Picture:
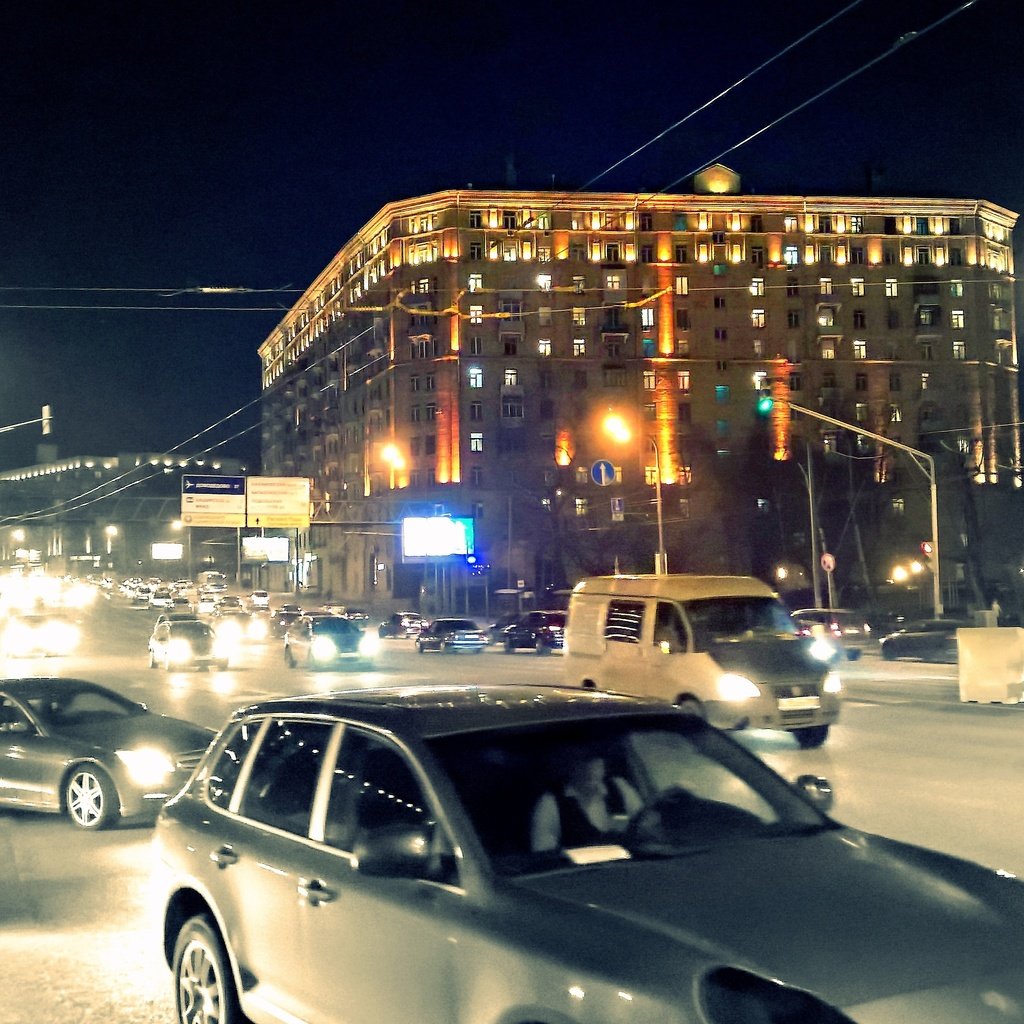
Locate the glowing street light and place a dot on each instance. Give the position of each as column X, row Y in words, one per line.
column 394, row 459
column 616, row 427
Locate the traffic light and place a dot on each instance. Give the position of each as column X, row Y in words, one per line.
column 764, row 404
column 47, row 420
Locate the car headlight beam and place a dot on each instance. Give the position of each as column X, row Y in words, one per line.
column 734, row 687
column 146, row 766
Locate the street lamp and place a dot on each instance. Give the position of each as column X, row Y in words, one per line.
column 618, row 430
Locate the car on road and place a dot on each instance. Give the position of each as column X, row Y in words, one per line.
column 849, row 630
column 42, row 634
column 449, row 636
column 925, row 640
column 70, row 746
column 259, row 599
column 434, row 827
column 496, row 630
column 542, row 631
column 206, row 602
column 328, row 641
column 187, row 643
column 281, row 620
column 162, row 597
column 228, row 603
column 401, row 624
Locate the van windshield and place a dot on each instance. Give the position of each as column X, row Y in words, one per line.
column 722, row 619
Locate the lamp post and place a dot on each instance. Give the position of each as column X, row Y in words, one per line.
column 618, row 430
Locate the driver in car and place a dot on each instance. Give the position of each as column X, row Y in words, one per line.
column 587, row 809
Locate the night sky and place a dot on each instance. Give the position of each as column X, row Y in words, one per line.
column 146, row 150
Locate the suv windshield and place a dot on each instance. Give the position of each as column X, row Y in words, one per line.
column 722, row 619
column 671, row 786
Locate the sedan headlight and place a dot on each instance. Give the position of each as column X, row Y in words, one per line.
column 369, row 645
column 179, row 651
column 832, row 683
column 147, row 766
column 733, row 687
column 323, row 649
column 822, row 649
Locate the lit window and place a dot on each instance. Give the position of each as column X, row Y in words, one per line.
column 826, row 316
column 895, row 414
column 684, row 508
column 511, row 377
column 647, row 317
column 857, row 285
column 856, row 224
column 476, row 282
column 791, row 255
column 578, row 284
column 956, row 289
column 650, row 380
column 579, row 316
column 757, row 286
column 579, row 347
column 683, row 380
column 860, row 348
column 476, row 442
column 956, row 319
column 925, row 377
column 899, row 506
column 825, row 285
column 959, row 349
column 757, row 318
column 544, row 347
column 860, row 412
column 544, row 316
column 891, row 287
column 682, row 285
column 789, row 222
column 828, row 348
column 582, row 475
column 721, row 393
column 476, row 377
column 512, row 407
column 476, row 314
column 581, row 506
column 544, row 282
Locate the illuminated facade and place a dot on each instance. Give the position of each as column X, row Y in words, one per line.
column 459, row 353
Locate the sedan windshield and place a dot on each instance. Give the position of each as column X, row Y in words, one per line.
column 541, row 798
column 63, row 702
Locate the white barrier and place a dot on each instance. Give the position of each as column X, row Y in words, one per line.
column 991, row 664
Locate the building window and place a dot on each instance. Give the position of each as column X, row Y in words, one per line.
column 791, row 255
column 578, row 284
column 956, row 256
column 476, row 218
column 860, row 319
column 682, row 285
column 429, row 382
column 789, row 222
column 511, row 377
column 857, row 255
column 682, row 254
column 826, row 316
column 860, row 412
column 757, row 318
column 415, row 414
column 684, row 412
column 582, row 475
column 579, row 316
column 721, row 334
column 956, row 319
column 892, row 288
column 512, row 407
column 430, row 409
column 544, row 282
column 476, row 250
column 792, row 317
column 646, row 221
column 924, row 255
column 579, row 347
column 476, row 411
column 927, row 352
column 860, row 382
column 956, row 289
column 828, row 348
column 646, row 253
column 476, row 345
column 476, row 478
column 581, row 506
column 544, row 316
column 476, row 442
column 544, row 347
column 856, row 224
column 476, row 282
column 925, row 377
column 959, row 349
column 614, row 377
column 895, row 382
column 719, row 302
column 927, row 316
column 757, row 255
column 721, row 393
column 647, row 318
column 892, row 319
column 795, row 382
column 543, row 253
column 510, row 344
column 476, row 314
column 895, row 413
column 683, row 319
column 757, row 286
column 613, row 282
column 476, row 377
column 857, row 286
column 899, row 506
column 414, row 383
column 683, row 381
column 758, row 348
column 650, row 380
column 650, row 411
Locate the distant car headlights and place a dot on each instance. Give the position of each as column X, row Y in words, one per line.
column 147, row 766
column 323, row 649
column 369, row 645
column 832, row 683
column 733, row 687
column 223, row 648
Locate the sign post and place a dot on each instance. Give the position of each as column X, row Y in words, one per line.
column 828, row 563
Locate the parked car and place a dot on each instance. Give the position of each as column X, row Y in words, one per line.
column 328, row 641
column 450, row 636
column 43, row 634
column 926, row 640
column 187, row 643
column 542, row 632
column 401, row 624
column 69, row 746
column 402, row 826
column 849, row 630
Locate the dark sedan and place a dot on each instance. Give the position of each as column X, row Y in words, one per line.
column 328, row 641
column 401, row 624
column 927, row 640
column 71, row 747
column 451, row 635
column 542, row 632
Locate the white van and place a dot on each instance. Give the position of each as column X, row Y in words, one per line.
column 724, row 647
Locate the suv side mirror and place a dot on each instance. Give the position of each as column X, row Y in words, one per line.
column 395, row 851
column 817, row 789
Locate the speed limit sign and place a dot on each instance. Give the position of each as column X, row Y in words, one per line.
column 828, row 561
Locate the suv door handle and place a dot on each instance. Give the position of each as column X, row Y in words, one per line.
column 224, row 857
column 315, row 892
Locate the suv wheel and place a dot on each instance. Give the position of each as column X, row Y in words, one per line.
column 204, row 988
column 811, row 736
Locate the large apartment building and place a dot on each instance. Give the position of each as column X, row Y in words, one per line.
column 460, row 353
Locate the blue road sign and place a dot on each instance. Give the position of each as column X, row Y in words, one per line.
column 233, row 485
column 602, row 473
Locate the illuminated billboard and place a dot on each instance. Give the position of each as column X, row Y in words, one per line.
column 264, row 549
column 167, row 552
column 436, row 537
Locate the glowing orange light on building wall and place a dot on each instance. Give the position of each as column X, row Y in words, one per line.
column 564, row 448
column 666, row 313
column 664, row 247
column 455, row 323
